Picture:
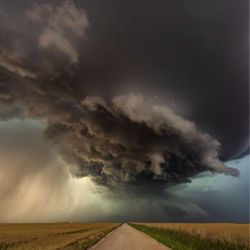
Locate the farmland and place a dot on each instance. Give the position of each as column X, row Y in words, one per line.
column 194, row 236
column 52, row 236
column 178, row 236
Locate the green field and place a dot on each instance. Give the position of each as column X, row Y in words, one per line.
column 179, row 239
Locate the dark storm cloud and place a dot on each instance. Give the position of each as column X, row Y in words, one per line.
column 197, row 51
column 70, row 69
column 124, row 142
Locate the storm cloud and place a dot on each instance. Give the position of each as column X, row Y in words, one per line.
column 122, row 142
column 138, row 104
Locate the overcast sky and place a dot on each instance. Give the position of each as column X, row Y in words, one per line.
column 106, row 105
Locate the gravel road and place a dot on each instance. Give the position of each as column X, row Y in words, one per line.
column 126, row 237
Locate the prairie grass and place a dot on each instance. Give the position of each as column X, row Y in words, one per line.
column 179, row 239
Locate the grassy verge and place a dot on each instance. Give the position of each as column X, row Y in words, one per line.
column 180, row 240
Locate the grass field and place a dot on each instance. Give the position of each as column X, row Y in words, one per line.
column 52, row 236
column 180, row 236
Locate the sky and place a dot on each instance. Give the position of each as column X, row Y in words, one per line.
column 124, row 111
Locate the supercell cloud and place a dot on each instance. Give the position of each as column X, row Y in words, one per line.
column 106, row 109
column 121, row 142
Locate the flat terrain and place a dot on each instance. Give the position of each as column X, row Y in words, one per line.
column 127, row 238
column 111, row 236
column 223, row 231
column 52, row 236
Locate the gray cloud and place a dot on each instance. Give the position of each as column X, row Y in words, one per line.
column 13, row 66
column 127, row 143
column 38, row 37
column 65, row 24
column 154, row 139
column 124, row 143
column 29, row 161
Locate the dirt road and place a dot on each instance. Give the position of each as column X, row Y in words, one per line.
column 126, row 237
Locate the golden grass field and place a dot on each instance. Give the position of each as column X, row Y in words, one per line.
column 223, row 231
column 52, row 236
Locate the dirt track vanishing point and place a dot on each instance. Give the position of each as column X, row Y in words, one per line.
column 127, row 238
